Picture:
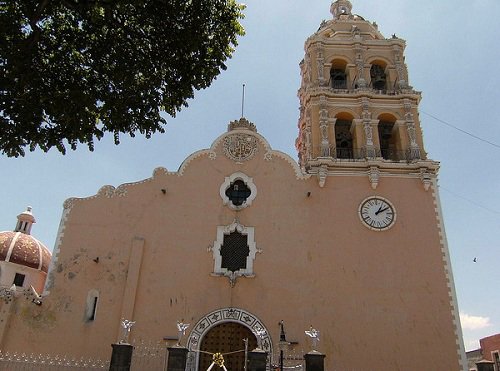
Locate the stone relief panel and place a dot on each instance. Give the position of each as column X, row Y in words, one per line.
column 240, row 147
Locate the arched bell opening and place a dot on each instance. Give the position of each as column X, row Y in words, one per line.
column 338, row 74
column 378, row 75
column 344, row 141
column 388, row 137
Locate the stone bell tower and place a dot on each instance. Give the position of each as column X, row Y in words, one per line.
column 360, row 137
column 357, row 108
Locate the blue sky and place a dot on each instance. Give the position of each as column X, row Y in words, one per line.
column 452, row 55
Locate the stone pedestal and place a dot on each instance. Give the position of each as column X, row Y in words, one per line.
column 177, row 358
column 315, row 361
column 121, row 358
column 257, row 360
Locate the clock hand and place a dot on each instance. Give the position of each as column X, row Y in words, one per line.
column 381, row 210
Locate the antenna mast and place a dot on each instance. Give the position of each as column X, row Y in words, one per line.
column 243, row 102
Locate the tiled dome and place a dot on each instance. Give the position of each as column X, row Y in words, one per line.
column 21, row 248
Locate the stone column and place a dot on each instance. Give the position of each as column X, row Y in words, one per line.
column 315, row 361
column 121, row 358
column 177, row 358
column 323, row 125
column 412, row 134
column 320, row 65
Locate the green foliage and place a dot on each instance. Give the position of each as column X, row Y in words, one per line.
column 73, row 70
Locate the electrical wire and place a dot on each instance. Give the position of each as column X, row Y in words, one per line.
column 461, row 130
column 469, row 200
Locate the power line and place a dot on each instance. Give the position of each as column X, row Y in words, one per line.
column 461, row 130
column 469, row 200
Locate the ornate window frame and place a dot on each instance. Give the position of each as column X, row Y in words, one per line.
column 227, row 183
column 216, row 252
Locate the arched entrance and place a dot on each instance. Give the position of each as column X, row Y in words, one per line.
column 226, row 338
column 237, row 322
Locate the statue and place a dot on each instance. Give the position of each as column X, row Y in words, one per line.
column 181, row 331
column 259, row 334
column 126, row 326
column 314, row 335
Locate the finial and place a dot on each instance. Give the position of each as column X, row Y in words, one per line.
column 340, row 8
column 242, row 123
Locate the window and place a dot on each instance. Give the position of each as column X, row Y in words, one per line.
column 91, row 305
column 19, row 279
column 234, row 251
column 496, row 359
column 238, row 191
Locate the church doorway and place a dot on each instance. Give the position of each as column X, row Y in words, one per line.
column 226, row 338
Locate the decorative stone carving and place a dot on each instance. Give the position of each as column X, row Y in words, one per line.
column 400, row 68
column 7, row 294
column 240, row 147
column 233, row 178
column 68, row 204
column 360, row 67
column 356, row 32
column 219, row 316
column 426, row 178
column 374, row 176
column 412, row 132
column 368, row 128
column 320, row 62
column 323, row 125
column 247, row 271
column 322, row 174
column 242, row 123
column 308, row 143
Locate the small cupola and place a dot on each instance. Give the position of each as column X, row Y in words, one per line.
column 25, row 221
column 341, row 8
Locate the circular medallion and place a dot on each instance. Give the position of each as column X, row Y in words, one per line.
column 377, row 213
column 240, row 147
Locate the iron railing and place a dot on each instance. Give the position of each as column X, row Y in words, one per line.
column 353, row 154
column 146, row 356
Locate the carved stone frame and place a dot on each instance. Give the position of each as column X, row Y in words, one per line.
column 226, row 230
column 217, row 317
column 227, row 183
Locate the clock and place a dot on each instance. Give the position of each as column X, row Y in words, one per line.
column 377, row 213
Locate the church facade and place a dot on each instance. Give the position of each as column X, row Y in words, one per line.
column 349, row 240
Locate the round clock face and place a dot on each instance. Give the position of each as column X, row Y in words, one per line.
column 377, row 213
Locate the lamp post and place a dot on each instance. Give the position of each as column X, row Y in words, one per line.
column 282, row 344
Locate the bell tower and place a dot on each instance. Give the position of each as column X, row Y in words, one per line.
column 357, row 108
column 361, row 142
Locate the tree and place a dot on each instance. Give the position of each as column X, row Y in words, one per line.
column 73, row 70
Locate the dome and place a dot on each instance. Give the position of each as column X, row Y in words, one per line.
column 19, row 247
column 24, row 249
